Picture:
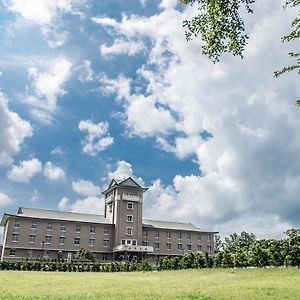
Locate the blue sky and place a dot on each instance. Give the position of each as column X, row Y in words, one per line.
column 94, row 90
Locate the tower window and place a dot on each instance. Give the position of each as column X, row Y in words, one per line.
column 129, row 218
column 129, row 231
column 130, row 206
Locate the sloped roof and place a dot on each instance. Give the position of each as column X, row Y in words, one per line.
column 127, row 182
column 61, row 215
column 172, row 225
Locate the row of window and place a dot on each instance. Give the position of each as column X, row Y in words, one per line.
column 179, row 246
column 63, row 227
column 179, row 235
column 48, row 240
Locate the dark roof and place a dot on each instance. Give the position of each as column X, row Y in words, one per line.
column 128, row 182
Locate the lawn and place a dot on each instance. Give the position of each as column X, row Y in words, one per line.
column 166, row 285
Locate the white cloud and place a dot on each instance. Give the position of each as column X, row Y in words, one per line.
column 47, row 87
column 5, row 200
column 249, row 168
column 64, row 204
column 121, row 47
column 86, row 72
column 90, row 204
column 53, row 172
column 54, row 37
column 35, row 198
column 57, row 151
column 85, row 188
column 13, row 131
column 97, row 138
column 25, row 170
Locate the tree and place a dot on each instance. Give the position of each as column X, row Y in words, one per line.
column 84, row 254
column 294, row 246
column 220, row 26
column 218, row 243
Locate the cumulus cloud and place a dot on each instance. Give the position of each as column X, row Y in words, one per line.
column 86, row 72
column 53, row 172
column 5, row 200
column 25, row 170
column 13, row 131
column 90, row 204
column 57, row 151
column 97, row 138
column 249, row 165
column 85, row 188
column 64, row 204
column 46, row 87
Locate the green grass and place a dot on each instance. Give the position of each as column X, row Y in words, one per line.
column 167, row 285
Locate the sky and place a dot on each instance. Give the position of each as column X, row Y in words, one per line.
column 95, row 90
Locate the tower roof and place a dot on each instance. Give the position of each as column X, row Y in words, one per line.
column 128, row 182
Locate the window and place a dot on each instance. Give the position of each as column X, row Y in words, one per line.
column 157, row 246
column 189, row 236
column 62, row 240
column 179, row 235
column 130, row 205
column 189, row 247
column 199, row 236
column 33, row 224
column 49, row 226
column 123, row 242
column 145, row 232
column 32, row 238
column 199, row 247
column 29, row 253
column 92, row 242
column 93, row 229
column 169, row 246
column 179, row 246
column 145, row 243
column 208, row 238
column 157, row 234
column 110, row 207
column 208, row 248
column 168, row 234
column 129, row 218
column 105, row 242
column 128, row 242
column 15, row 237
column 134, row 243
column 12, row 252
column 77, row 241
column 17, row 224
column 62, row 227
column 78, row 228
column 129, row 231
column 104, row 256
column 48, row 239
column 106, row 230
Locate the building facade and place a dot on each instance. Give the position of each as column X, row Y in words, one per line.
column 121, row 233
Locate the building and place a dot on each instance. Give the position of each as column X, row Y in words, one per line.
column 121, row 233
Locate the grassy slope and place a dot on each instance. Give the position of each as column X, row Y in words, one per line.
column 167, row 285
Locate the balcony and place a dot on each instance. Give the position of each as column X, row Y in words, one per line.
column 130, row 248
column 131, row 197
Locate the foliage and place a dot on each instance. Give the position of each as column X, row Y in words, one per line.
column 219, row 25
column 85, row 254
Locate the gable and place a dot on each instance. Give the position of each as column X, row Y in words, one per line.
column 129, row 182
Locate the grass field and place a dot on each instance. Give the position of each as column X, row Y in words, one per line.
column 167, row 285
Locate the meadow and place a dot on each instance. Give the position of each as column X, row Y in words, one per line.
column 203, row 284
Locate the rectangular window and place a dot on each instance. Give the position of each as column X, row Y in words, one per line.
column 49, row 226
column 189, row 236
column 199, row 236
column 208, row 238
column 157, row 234
column 15, row 237
column 62, row 227
column 128, row 242
column 92, row 242
column 130, row 205
column 129, row 231
column 77, row 241
column 17, row 224
column 179, row 235
column 189, row 247
column 48, row 239
column 33, row 224
column 32, row 238
column 106, row 230
column 145, row 232
column 156, row 246
column 145, row 243
column 134, row 243
column 129, row 218
column 62, row 240
column 105, row 242
column 92, row 229
column 168, row 234
column 104, row 256
column 208, row 248
column 78, row 228
column 29, row 253
column 199, row 247
column 123, row 242
column 12, row 252
column 169, row 246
